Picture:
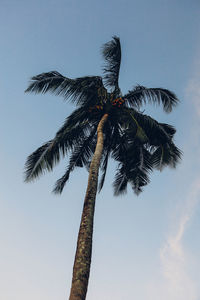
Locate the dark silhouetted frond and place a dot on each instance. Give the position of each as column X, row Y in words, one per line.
column 110, row 141
column 48, row 155
column 134, row 168
column 138, row 180
column 150, row 131
column 169, row 129
column 104, row 169
column 80, row 156
column 40, row 160
column 141, row 95
column 112, row 54
column 166, row 155
column 48, row 82
column 81, row 90
column 120, row 182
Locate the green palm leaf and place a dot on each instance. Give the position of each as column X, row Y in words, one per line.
column 148, row 129
column 112, row 54
column 49, row 154
column 141, row 95
column 80, row 156
column 166, row 155
column 120, row 182
column 134, row 168
column 80, row 90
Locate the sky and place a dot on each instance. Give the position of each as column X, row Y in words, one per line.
column 146, row 246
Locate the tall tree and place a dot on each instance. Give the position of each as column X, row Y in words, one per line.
column 105, row 124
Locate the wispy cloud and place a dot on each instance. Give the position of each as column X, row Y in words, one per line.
column 178, row 285
column 175, row 282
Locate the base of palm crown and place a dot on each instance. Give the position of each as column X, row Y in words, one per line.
column 118, row 102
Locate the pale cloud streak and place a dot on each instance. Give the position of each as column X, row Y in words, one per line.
column 177, row 283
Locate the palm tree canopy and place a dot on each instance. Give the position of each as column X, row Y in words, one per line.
column 136, row 141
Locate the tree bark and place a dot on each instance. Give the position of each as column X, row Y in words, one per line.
column 82, row 262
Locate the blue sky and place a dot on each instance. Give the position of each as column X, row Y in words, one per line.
column 145, row 247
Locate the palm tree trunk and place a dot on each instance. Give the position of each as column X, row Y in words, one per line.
column 81, row 269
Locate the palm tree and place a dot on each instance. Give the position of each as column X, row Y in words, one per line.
column 105, row 124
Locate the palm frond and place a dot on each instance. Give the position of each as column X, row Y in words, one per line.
column 80, row 156
column 120, row 148
column 80, row 90
column 166, row 155
column 112, row 146
column 138, row 179
column 81, row 116
column 141, row 95
column 169, row 129
column 110, row 134
column 147, row 129
column 112, row 54
column 49, row 154
column 120, row 182
column 39, row 161
column 78, row 116
column 139, row 175
column 48, row 82
column 104, row 169
column 134, row 168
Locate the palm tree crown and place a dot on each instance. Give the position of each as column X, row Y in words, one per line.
column 136, row 141
column 105, row 124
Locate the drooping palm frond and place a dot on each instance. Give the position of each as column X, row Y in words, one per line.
column 166, row 155
column 141, row 95
column 138, row 179
column 169, row 129
column 134, row 169
column 39, row 161
column 50, row 81
column 138, row 154
column 147, row 129
column 49, row 154
column 108, row 140
column 120, row 150
column 120, row 182
column 80, row 90
column 78, row 116
column 108, row 130
column 104, row 169
column 111, row 144
column 112, row 54
column 121, row 154
column 80, row 156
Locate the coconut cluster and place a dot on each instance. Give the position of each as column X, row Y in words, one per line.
column 118, row 102
column 96, row 107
